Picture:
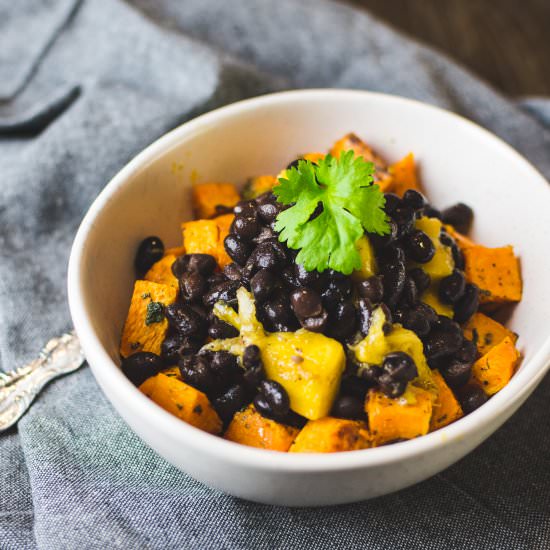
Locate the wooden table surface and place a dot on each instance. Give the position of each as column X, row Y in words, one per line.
column 506, row 42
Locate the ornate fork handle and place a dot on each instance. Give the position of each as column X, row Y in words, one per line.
column 19, row 388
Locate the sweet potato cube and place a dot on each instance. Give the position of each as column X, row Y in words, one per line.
column 404, row 175
column 446, row 408
column 183, row 401
column 258, row 186
column 224, row 223
column 495, row 271
column 331, row 435
column 249, row 427
column 391, row 419
column 161, row 272
column 146, row 326
column 175, row 251
column 350, row 142
column 493, row 371
column 211, row 199
column 489, row 332
column 461, row 240
column 314, row 157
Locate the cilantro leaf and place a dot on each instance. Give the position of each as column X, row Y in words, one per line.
column 350, row 205
column 154, row 313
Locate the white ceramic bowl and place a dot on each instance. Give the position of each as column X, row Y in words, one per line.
column 458, row 161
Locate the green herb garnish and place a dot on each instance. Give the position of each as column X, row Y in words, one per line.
column 155, row 313
column 351, row 204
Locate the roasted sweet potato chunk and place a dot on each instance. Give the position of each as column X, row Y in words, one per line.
column 495, row 271
column 487, row 332
column 161, row 272
column 493, row 371
column 211, row 199
column 183, row 401
column 391, row 419
column 331, row 435
column 249, row 427
column 146, row 326
column 258, row 186
column 446, row 408
column 404, row 175
column 461, row 240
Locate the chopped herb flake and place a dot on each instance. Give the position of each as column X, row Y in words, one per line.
column 155, row 313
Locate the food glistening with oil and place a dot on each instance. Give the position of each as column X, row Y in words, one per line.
column 327, row 308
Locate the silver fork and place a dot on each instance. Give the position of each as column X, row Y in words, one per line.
column 19, row 388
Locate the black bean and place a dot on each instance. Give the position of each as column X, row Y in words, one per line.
column 460, row 216
column 431, row 212
column 268, row 255
column 294, row 163
column 245, row 227
column 394, row 275
column 276, row 397
column 175, row 346
column 344, row 320
column 416, row 321
column 381, row 241
column 467, row 305
column 195, row 371
column 216, row 278
column 224, row 364
column 472, row 399
column 306, row 303
column 277, row 310
column 316, row 324
column 201, row 263
column 458, row 257
column 372, row 289
column 364, row 311
column 149, row 251
column 387, row 313
column 414, row 199
column 253, row 376
column 185, row 320
column 262, row 406
column 192, row 286
column 456, row 373
column 398, row 314
column 404, row 217
column 304, row 277
column 428, row 312
column 390, row 387
column 265, row 234
column 400, row 366
column 442, row 343
column 268, row 211
column 370, row 374
column 348, row 406
column 245, row 208
column 238, row 250
column 419, row 247
column 392, row 254
column 451, row 288
column 392, row 202
column 251, row 356
column 421, row 278
column 233, row 272
column 224, row 292
column 219, row 330
column 263, row 284
column 410, row 292
column 467, row 352
column 332, row 296
column 288, row 277
column 445, row 238
column 230, row 402
column 140, row 366
column 358, row 387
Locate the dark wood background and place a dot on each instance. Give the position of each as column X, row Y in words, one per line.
column 507, row 42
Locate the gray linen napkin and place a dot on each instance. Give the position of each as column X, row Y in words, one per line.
column 83, row 87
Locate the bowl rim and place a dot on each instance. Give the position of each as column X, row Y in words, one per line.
column 514, row 392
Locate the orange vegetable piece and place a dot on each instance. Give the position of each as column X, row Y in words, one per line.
column 175, row 251
column 259, row 185
column 208, row 196
column 391, row 419
column 404, row 175
column 495, row 271
column 493, row 371
column 161, row 272
column 489, row 332
column 446, row 408
column 314, row 157
column 331, row 435
column 249, row 427
column 183, row 401
column 206, row 237
column 360, row 148
column 137, row 335
column 461, row 240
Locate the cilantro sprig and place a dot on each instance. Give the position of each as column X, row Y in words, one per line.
column 350, row 205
